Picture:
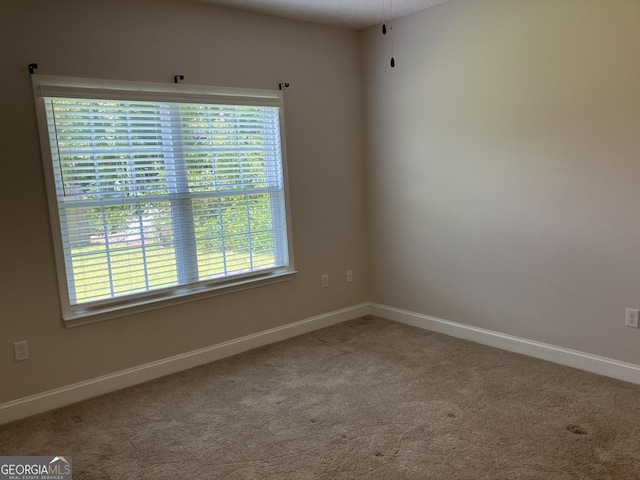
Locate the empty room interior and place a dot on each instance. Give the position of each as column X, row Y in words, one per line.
column 449, row 284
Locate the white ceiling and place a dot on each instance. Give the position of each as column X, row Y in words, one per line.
column 343, row 13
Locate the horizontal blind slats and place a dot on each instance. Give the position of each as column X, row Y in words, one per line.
column 153, row 195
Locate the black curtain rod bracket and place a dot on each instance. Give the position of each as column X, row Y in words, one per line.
column 32, row 68
column 285, row 85
column 177, row 77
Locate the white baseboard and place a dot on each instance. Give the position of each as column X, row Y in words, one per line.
column 563, row 356
column 59, row 397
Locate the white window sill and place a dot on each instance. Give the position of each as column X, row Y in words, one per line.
column 172, row 297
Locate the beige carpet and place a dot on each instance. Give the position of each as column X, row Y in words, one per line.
column 367, row 399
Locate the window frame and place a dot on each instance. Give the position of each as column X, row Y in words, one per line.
column 71, row 87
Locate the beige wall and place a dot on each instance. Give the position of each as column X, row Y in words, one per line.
column 504, row 168
column 152, row 40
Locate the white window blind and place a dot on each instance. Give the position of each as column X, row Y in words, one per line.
column 159, row 197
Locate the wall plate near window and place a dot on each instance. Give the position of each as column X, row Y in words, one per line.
column 158, row 191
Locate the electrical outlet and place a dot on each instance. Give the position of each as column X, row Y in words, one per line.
column 21, row 351
column 325, row 280
column 631, row 320
column 349, row 276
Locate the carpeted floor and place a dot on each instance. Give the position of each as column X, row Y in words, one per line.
column 367, row 399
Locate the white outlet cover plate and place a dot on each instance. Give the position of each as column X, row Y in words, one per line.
column 631, row 319
column 21, row 351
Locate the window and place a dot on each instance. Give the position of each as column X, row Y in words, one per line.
column 160, row 191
